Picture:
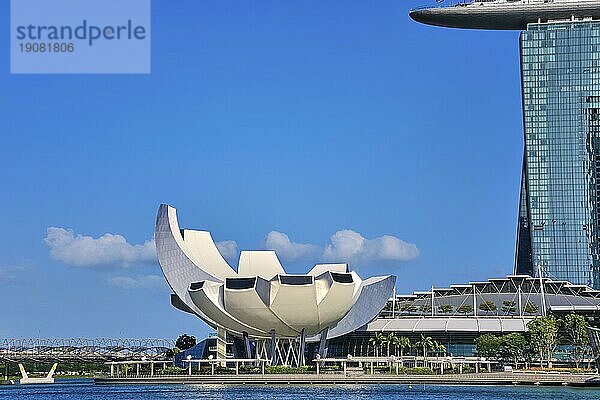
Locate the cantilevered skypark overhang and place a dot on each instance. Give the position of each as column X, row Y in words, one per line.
column 505, row 14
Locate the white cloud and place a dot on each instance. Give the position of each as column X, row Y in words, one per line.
column 114, row 250
column 228, row 249
column 344, row 246
column 288, row 250
column 85, row 251
column 140, row 282
column 350, row 246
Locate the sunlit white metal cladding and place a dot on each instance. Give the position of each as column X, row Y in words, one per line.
column 263, row 263
column 372, row 297
column 178, row 268
column 260, row 296
column 208, row 296
column 248, row 300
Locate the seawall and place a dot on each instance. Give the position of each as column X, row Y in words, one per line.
column 500, row 378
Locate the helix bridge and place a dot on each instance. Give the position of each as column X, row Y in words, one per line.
column 83, row 349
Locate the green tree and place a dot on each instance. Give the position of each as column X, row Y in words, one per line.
column 410, row 308
column 438, row 348
column 425, row 308
column 377, row 341
column 394, row 341
column 509, row 307
column 513, row 346
column 465, row 309
column 425, row 343
column 531, row 308
column 543, row 332
column 446, row 308
column 402, row 343
column 488, row 306
column 575, row 329
column 488, row 345
column 388, row 341
column 184, row 342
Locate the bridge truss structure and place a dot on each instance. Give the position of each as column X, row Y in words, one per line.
column 83, row 349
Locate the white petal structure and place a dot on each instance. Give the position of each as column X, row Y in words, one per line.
column 260, row 297
column 248, row 299
column 259, row 263
column 320, row 268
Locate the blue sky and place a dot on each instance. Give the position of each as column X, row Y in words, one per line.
column 301, row 117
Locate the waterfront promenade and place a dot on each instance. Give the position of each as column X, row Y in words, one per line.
column 494, row 378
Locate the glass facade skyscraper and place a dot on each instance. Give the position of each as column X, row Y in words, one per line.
column 559, row 213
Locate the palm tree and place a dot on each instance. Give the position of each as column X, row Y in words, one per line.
column 402, row 342
column 373, row 342
column 395, row 340
column 377, row 341
column 389, row 340
column 442, row 348
column 438, row 348
column 426, row 343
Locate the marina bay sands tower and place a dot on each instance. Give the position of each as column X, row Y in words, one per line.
column 559, row 212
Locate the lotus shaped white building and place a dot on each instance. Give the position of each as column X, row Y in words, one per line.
column 260, row 300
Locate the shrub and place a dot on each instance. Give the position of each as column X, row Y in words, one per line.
column 249, row 369
column 531, row 308
column 173, row 371
column 419, row 371
column 446, row 308
column 408, row 308
column 425, row 308
column 467, row 369
column 488, row 306
column 282, row 369
column 465, row 309
column 508, row 307
column 413, row 371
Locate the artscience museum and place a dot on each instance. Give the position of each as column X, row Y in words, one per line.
column 260, row 302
